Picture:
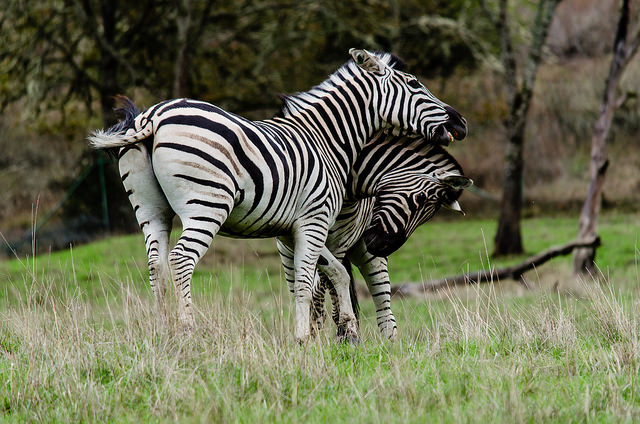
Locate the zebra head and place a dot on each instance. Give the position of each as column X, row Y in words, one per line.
column 406, row 201
column 406, row 104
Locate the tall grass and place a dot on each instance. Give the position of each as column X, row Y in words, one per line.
column 64, row 357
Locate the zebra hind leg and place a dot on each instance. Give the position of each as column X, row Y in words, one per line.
column 335, row 272
column 197, row 235
column 157, row 241
column 153, row 213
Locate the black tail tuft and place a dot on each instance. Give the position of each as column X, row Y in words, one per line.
column 130, row 111
column 125, row 106
column 352, row 290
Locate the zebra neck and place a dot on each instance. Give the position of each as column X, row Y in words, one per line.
column 385, row 155
column 340, row 132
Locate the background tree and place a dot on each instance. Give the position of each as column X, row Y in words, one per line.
column 63, row 61
column 59, row 53
column 625, row 47
column 519, row 81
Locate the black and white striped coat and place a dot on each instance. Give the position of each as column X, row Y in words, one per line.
column 397, row 184
column 286, row 177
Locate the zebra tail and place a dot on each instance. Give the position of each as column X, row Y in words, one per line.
column 352, row 290
column 124, row 132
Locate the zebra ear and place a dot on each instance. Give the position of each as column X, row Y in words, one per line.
column 367, row 61
column 457, row 182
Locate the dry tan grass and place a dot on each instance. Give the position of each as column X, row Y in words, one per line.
column 482, row 354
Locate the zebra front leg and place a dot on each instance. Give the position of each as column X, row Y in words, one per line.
column 375, row 272
column 335, row 272
column 305, row 269
column 286, row 252
column 308, row 244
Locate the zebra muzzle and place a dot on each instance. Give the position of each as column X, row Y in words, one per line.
column 381, row 243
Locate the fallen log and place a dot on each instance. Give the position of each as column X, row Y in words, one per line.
column 493, row 274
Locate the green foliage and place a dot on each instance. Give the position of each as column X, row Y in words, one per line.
column 236, row 54
column 58, row 51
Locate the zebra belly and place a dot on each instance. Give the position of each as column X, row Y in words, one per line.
column 237, row 230
column 257, row 223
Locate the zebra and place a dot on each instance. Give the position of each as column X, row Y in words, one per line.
column 396, row 184
column 285, row 176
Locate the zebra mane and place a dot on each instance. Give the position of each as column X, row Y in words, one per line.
column 293, row 103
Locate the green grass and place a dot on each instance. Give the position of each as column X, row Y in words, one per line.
column 79, row 340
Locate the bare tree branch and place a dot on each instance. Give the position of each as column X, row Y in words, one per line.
column 491, row 275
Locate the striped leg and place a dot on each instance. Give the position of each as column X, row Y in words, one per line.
column 153, row 213
column 374, row 270
column 305, row 257
column 338, row 275
column 197, row 236
column 285, row 250
column 318, row 310
column 157, row 240
column 335, row 304
column 203, row 205
column 309, row 242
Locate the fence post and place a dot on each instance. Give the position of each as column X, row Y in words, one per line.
column 103, row 192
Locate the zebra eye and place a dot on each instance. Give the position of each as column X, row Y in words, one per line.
column 414, row 83
column 421, row 198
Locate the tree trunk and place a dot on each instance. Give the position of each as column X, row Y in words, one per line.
column 584, row 258
column 182, row 63
column 108, row 89
column 508, row 239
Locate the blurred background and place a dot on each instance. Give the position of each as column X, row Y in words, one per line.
column 61, row 61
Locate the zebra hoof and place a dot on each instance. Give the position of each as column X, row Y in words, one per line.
column 347, row 336
column 390, row 333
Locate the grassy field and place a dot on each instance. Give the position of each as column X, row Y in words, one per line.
column 79, row 340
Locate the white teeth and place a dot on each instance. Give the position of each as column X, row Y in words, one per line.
column 450, row 137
